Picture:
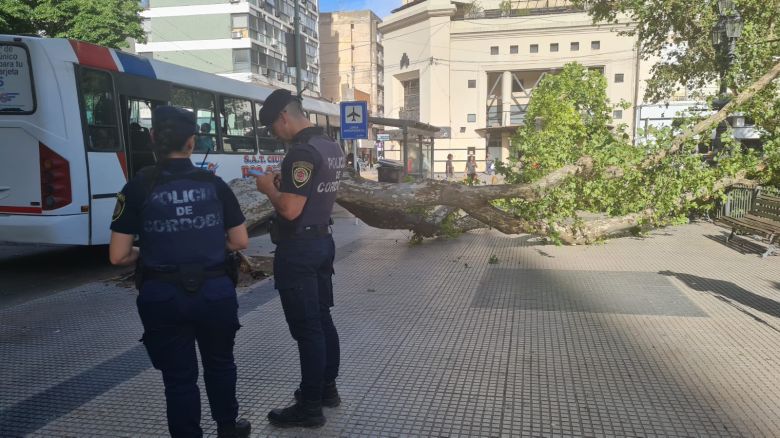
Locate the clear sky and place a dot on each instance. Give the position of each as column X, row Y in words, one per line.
column 380, row 7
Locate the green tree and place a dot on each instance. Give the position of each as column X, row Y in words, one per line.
column 105, row 22
column 568, row 118
column 680, row 34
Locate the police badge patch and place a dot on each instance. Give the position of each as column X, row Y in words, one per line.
column 301, row 173
column 119, row 208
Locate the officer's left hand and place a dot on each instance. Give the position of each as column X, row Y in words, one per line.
column 265, row 183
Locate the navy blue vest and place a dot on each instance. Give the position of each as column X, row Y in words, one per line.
column 325, row 181
column 182, row 220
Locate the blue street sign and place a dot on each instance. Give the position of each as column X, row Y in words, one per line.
column 354, row 120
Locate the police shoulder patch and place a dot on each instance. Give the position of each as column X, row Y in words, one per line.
column 301, row 173
column 120, row 206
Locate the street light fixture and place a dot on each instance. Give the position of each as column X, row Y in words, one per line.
column 729, row 28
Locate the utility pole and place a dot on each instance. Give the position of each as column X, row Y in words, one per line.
column 297, row 31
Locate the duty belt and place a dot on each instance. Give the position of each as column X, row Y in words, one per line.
column 309, row 232
column 189, row 277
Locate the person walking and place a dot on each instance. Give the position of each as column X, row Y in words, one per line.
column 187, row 219
column 471, row 170
column 449, row 169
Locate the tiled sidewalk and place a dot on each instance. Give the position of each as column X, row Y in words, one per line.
column 675, row 334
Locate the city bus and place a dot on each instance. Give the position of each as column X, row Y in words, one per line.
column 74, row 127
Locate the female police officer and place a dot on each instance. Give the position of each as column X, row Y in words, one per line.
column 186, row 219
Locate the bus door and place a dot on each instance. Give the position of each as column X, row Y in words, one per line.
column 106, row 155
column 138, row 97
column 137, row 118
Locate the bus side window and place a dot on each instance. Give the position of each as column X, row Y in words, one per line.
column 204, row 107
column 266, row 143
column 99, row 105
column 238, row 129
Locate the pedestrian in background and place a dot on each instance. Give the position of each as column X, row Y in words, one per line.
column 449, row 170
column 471, row 170
column 303, row 196
column 186, row 219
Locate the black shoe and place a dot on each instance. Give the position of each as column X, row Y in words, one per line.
column 330, row 395
column 239, row 429
column 301, row 414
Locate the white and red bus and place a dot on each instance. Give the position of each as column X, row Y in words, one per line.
column 74, row 126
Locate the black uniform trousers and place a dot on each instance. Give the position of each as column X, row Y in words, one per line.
column 173, row 322
column 303, row 271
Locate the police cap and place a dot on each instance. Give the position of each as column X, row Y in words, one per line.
column 181, row 121
column 274, row 105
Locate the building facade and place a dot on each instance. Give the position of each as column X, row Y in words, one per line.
column 241, row 39
column 352, row 58
column 470, row 68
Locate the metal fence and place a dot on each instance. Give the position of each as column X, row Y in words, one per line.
column 739, row 200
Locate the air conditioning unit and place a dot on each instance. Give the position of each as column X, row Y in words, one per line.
column 235, row 1
column 237, row 34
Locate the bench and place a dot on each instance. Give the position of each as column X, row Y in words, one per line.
column 762, row 219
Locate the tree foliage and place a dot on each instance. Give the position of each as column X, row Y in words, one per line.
column 568, row 117
column 679, row 34
column 105, row 22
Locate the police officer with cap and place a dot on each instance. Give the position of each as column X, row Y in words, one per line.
column 187, row 220
column 303, row 196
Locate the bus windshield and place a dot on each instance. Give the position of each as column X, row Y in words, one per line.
column 16, row 82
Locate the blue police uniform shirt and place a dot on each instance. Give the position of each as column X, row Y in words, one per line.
column 182, row 221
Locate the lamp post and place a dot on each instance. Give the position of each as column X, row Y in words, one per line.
column 724, row 38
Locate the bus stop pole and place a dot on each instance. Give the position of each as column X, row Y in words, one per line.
column 355, row 156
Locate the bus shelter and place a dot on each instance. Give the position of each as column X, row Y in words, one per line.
column 417, row 144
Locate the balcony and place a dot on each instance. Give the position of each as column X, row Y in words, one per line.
column 517, row 8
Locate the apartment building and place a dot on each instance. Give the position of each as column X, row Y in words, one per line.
column 352, row 58
column 241, row 39
column 470, row 68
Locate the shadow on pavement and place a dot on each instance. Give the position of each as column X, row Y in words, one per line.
column 730, row 291
column 36, row 411
column 739, row 243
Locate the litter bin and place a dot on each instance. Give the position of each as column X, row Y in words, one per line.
column 390, row 171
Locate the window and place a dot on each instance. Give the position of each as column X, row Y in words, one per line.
column 517, row 114
column 494, row 50
column 517, row 85
column 534, row 48
column 462, row 129
column 240, row 21
column 99, row 106
column 494, row 116
column 471, row 118
column 238, row 131
column 618, row 78
column 617, row 114
column 241, row 60
column 554, row 47
column 18, row 81
column 411, row 109
column 575, row 46
column 513, row 50
column 472, row 83
column 202, row 104
column 595, row 45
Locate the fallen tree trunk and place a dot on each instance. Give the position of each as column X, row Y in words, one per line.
column 434, row 207
column 431, row 208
